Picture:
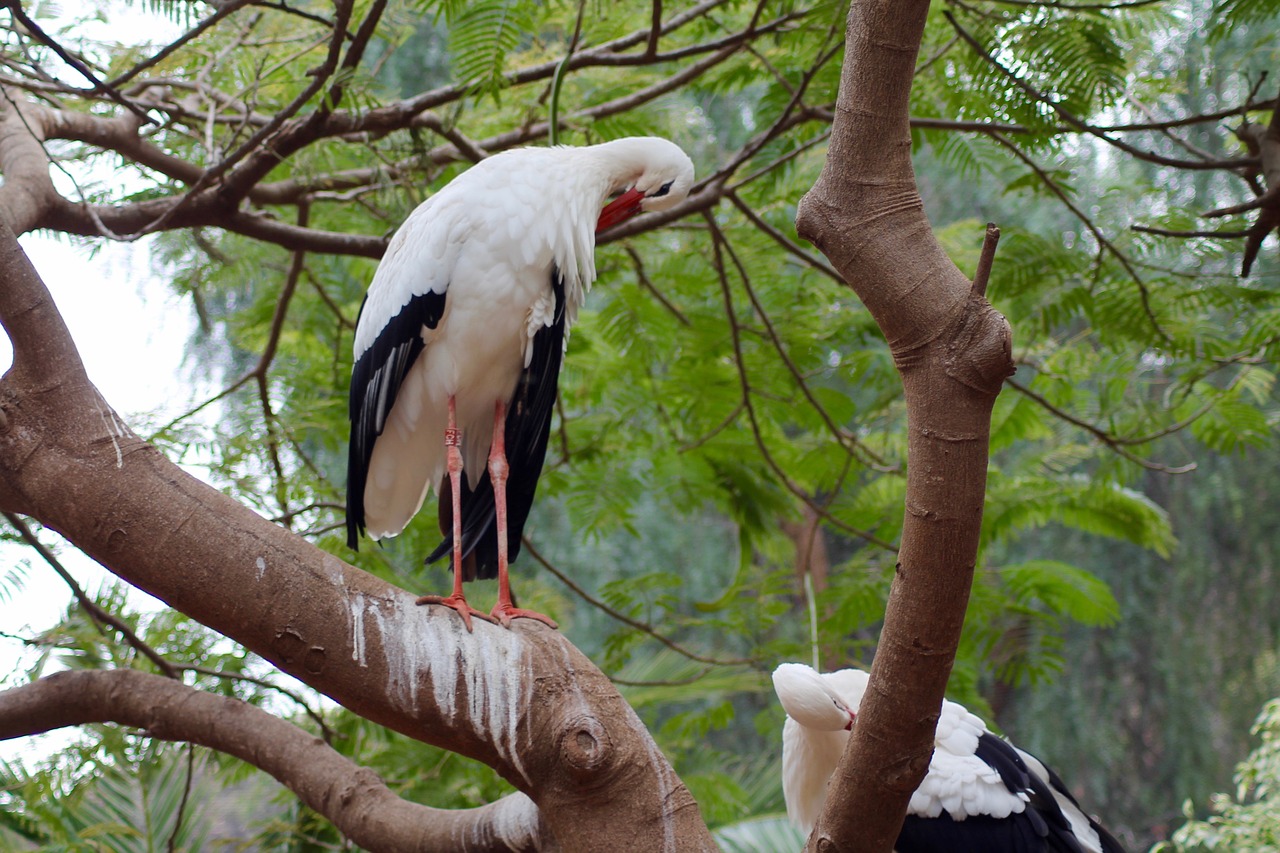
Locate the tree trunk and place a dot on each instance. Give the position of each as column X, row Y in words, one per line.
column 953, row 351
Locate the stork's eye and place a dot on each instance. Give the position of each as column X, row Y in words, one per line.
column 663, row 190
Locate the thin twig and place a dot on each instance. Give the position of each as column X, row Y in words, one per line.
column 321, row 76
column 96, row 613
column 1225, row 234
column 649, row 286
column 15, row 9
column 983, row 272
column 842, row 436
column 1104, row 243
column 1083, row 126
column 782, row 239
column 642, row 627
column 746, row 394
column 186, row 795
column 223, row 10
column 1102, row 435
column 325, row 732
column 655, row 28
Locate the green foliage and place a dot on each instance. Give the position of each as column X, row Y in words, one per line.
column 1249, row 818
column 148, row 805
column 483, row 34
column 1091, row 506
column 1230, row 15
column 760, row 835
column 1064, row 589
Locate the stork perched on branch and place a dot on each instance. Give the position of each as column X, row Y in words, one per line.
column 460, row 339
column 981, row 793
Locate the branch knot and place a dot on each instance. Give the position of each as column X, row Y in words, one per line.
column 585, row 745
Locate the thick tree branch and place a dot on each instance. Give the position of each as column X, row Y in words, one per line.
column 27, row 191
column 952, row 351
column 35, row 203
column 357, row 801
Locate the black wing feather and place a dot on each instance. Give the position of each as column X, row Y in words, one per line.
column 375, row 382
column 1040, row 828
column 527, row 430
column 975, row 834
column 1109, row 842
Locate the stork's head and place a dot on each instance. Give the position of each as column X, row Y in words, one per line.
column 808, row 699
column 645, row 174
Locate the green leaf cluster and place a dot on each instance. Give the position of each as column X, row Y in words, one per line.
column 1248, row 818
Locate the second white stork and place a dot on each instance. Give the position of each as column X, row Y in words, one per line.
column 981, row 794
column 460, row 339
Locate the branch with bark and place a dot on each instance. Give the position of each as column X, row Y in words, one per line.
column 1263, row 144
column 953, row 351
column 357, row 801
column 230, row 192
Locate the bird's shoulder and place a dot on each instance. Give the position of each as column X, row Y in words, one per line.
column 958, row 729
column 508, row 218
column 522, row 185
column 962, row 779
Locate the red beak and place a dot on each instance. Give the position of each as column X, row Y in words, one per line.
column 620, row 209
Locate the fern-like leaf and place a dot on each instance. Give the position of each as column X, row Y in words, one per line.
column 482, row 35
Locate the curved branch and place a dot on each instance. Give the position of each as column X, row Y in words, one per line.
column 27, row 192
column 43, row 351
column 357, row 801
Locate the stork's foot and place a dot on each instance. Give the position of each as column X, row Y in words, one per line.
column 504, row 613
column 458, row 603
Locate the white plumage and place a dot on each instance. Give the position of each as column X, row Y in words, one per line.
column 981, row 793
column 471, row 306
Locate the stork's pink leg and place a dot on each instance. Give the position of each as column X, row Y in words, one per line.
column 453, row 453
column 504, row 611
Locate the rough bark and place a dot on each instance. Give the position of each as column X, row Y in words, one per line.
column 952, row 351
column 524, row 700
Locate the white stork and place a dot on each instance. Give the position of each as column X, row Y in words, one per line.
column 981, row 793
column 460, row 339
